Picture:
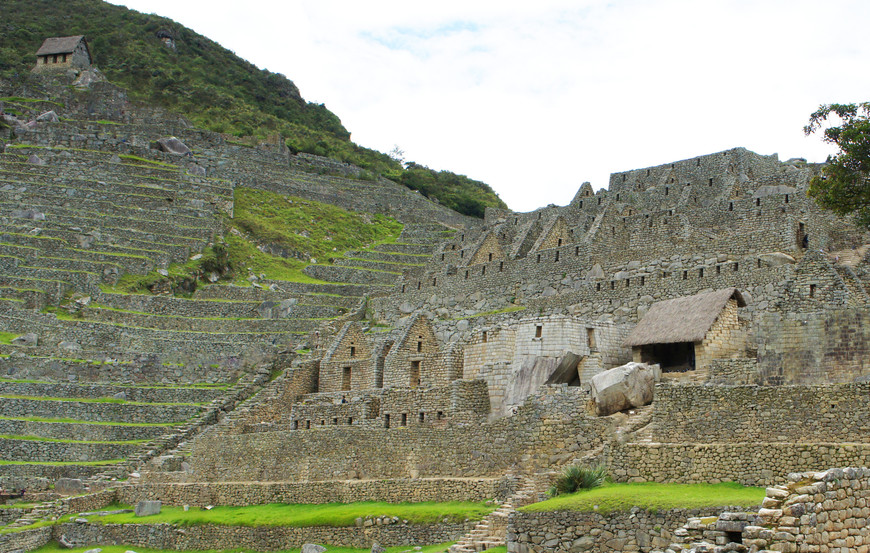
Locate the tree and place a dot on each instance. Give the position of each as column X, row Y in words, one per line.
column 844, row 183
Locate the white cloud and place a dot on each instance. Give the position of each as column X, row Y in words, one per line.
column 534, row 98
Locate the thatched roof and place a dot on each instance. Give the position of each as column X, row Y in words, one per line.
column 685, row 319
column 59, row 45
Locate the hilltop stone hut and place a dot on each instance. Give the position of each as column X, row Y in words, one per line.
column 61, row 53
column 685, row 334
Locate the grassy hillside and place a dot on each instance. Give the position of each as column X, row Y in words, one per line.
column 207, row 83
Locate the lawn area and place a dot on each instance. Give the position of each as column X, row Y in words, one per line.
column 300, row 515
column 55, row 548
column 7, row 337
column 652, row 497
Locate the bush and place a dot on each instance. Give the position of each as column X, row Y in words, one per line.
column 578, row 477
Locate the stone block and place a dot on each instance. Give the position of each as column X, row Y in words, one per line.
column 147, row 508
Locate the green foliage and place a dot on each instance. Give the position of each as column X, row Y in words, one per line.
column 209, row 85
column 305, row 515
column 457, row 192
column 652, row 497
column 844, row 184
column 7, row 337
column 578, row 477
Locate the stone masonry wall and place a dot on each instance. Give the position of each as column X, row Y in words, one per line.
column 344, row 491
column 815, row 511
column 571, row 531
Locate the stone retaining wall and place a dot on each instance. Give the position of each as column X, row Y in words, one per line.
column 721, row 414
column 749, row 463
column 26, row 540
column 572, row 531
column 208, row 536
column 341, row 491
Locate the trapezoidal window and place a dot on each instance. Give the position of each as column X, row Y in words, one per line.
column 539, row 331
column 414, row 379
column 419, row 344
column 353, row 351
column 490, row 257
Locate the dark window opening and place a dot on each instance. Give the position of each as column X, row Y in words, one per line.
column 295, row 425
column 434, row 281
column 556, row 258
column 734, row 537
column 576, row 250
column 627, row 282
column 539, row 331
column 617, row 197
column 698, row 162
column 685, row 275
column 335, row 421
column 439, row 415
column 483, row 270
column 419, row 284
column 599, row 201
column 466, row 275
column 420, row 346
column 718, row 269
column 667, row 191
column 757, row 201
column 403, row 288
column 730, row 206
column 350, row 420
column 415, row 374
column 613, row 285
column 422, row 417
column 308, row 425
column 581, row 204
column 539, row 258
column 353, row 351
column 461, row 253
column 387, row 420
column 679, row 357
column 642, row 280
column 490, row 257
column 442, row 257
column 404, row 419
column 786, row 198
column 701, row 273
column 597, row 286
column 345, row 378
column 559, row 243
column 485, row 337
column 736, row 266
column 500, row 266
column 812, row 290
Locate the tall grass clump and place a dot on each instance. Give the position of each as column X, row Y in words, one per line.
column 578, row 477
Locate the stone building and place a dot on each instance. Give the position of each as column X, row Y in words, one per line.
column 685, row 334
column 61, row 53
column 416, row 361
column 347, row 364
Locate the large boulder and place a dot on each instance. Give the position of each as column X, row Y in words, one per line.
column 48, row 117
column 172, row 145
column 69, row 486
column 146, row 508
column 566, row 370
column 312, row 548
column 29, row 339
column 631, row 385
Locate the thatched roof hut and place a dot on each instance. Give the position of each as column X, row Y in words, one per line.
column 685, row 319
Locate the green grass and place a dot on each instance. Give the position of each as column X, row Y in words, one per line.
column 312, row 230
column 56, row 548
column 652, row 497
column 91, row 400
column 298, row 515
column 98, row 423
column 105, row 462
column 7, row 337
column 62, row 441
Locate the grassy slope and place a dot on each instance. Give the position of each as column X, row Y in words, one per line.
column 652, row 496
column 310, row 230
column 210, row 85
column 330, row 514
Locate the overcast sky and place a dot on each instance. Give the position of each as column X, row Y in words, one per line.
column 535, row 98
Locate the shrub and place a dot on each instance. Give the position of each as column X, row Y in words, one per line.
column 578, row 477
